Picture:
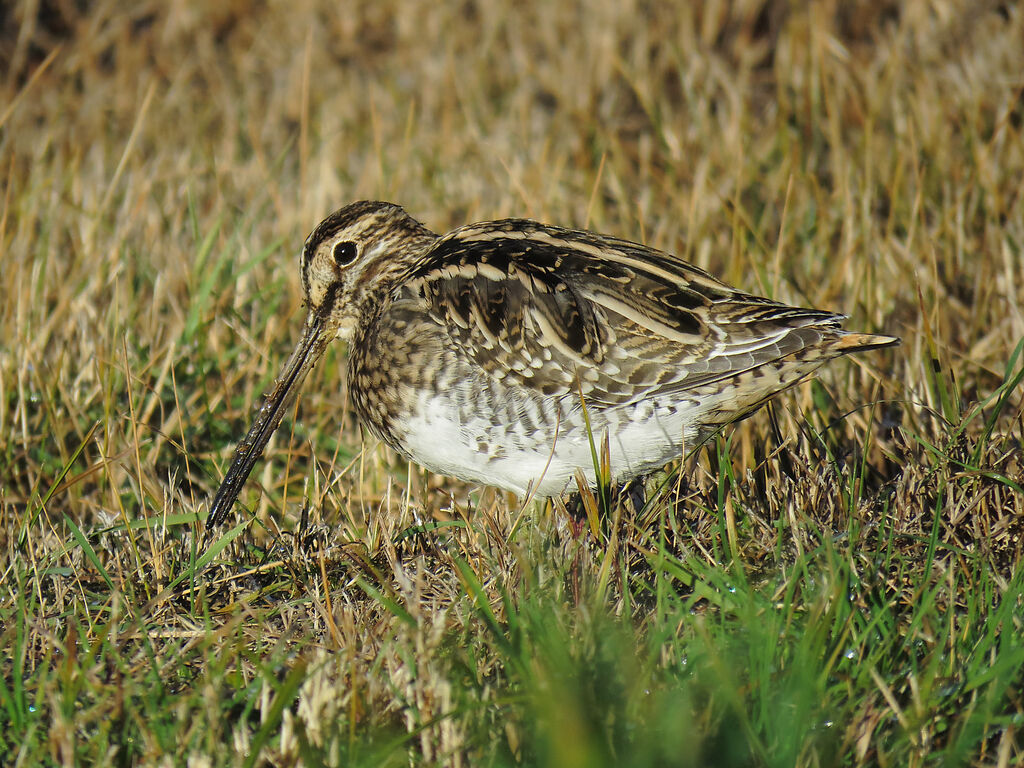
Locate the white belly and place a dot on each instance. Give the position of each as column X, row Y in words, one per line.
column 529, row 456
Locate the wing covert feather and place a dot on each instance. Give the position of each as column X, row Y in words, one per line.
column 569, row 310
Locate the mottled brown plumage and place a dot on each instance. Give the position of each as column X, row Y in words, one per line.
column 471, row 353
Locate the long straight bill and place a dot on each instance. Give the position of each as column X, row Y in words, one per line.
column 309, row 350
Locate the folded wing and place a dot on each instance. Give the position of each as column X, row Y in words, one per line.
column 574, row 312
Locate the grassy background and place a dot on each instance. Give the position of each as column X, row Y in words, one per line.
column 836, row 581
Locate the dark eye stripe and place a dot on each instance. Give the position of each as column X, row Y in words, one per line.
column 344, row 253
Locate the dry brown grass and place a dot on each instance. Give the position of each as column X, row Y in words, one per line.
column 162, row 163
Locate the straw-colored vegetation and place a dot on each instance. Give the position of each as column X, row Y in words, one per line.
column 836, row 581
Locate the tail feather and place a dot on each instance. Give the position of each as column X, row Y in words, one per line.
column 859, row 342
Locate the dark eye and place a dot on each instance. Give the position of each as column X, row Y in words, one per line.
column 344, row 253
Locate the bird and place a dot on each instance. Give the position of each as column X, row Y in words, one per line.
column 499, row 352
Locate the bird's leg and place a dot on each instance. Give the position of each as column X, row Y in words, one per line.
column 574, row 506
column 635, row 491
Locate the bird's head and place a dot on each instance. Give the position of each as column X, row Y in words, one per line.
column 351, row 260
column 353, row 257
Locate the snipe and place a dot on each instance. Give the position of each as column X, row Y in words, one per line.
column 471, row 353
